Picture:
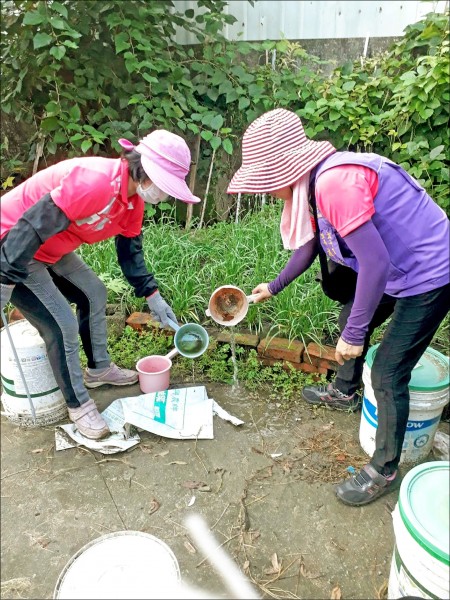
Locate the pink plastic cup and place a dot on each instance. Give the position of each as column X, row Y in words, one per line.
column 154, row 373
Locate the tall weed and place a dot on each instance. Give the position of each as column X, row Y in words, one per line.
column 189, row 266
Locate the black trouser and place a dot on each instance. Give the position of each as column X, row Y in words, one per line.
column 414, row 322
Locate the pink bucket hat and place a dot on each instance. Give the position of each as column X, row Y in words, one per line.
column 166, row 159
column 276, row 153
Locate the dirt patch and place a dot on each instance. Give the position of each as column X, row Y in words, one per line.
column 265, row 489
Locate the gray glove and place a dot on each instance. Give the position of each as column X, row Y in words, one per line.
column 160, row 309
column 6, row 291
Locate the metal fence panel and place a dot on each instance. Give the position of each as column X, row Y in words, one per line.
column 316, row 19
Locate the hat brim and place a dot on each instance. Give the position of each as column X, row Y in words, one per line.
column 168, row 183
column 281, row 171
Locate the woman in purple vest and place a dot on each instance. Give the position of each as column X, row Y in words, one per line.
column 376, row 219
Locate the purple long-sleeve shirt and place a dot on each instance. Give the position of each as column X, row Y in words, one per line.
column 366, row 244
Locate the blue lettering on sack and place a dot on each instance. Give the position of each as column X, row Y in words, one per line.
column 160, row 406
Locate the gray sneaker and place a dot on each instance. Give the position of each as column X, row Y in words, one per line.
column 366, row 487
column 89, row 421
column 328, row 395
column 112, row 376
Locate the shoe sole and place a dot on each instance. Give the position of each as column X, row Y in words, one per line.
column 103, row 433
column 98, row 435
column 331, row 407
column 97, row 384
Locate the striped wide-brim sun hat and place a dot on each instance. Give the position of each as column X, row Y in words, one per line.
column 276, row 153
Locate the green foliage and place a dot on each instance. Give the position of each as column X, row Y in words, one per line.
column 214, row 365
column 88, row 72
column 80, row 74
column 132, row 345
column 396, row 104
column 84, row 73
column 189, row 266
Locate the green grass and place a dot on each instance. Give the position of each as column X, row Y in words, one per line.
column 214, row 365
column 189, row 266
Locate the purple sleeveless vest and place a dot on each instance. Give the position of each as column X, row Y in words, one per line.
column 414, row 229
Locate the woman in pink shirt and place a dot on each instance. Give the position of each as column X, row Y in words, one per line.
column 378, row 225
column 44, row 220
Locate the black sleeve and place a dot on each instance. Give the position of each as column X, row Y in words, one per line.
column 39, row 223
column 131, row 261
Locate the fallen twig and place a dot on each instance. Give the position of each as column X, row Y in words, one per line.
column 223, row 512
column 198, row 456
column 15, row 473
column 97, row 462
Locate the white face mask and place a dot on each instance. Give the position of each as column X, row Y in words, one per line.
column 152, row 194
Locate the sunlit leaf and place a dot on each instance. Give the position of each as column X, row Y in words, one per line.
column 58, row 52
column 32, row 18
column 227, row 146
column 41, row 40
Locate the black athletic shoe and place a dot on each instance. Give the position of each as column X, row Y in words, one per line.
column 366, row 487
column 331, row 397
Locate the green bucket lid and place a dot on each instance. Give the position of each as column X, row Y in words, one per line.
column 430, row 374
column 424, row 507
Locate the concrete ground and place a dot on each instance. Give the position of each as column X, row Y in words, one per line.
column 276, row 516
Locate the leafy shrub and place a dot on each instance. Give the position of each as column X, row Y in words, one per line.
column 81, row 74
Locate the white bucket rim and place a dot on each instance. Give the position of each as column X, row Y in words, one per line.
column 28, row 328
column 163, row 550
column 406, row 513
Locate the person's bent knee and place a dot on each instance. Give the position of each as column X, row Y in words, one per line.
column 388, row 382
column 65, row 330
column 380, row 379
column 100, row 294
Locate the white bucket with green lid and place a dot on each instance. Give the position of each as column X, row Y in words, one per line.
column 420, row 562
column 429, row 393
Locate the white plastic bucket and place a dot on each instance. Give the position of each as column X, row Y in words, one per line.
column 420, row 562
column 154, row 373
column 429, row 393
column 48, row 401
column 125, row 564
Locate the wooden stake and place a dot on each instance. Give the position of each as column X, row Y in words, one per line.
column 238, row 207
column 207, row 189
column 192, row 179
column 39, row 152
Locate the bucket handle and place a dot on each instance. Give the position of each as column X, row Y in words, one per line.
column 172, row 324
column 172, row 353
column 175, row 327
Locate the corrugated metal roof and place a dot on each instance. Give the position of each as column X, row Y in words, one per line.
column 318, row 19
